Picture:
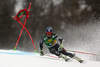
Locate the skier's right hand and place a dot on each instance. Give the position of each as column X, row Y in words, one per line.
column 41, row 53
column 60, row 48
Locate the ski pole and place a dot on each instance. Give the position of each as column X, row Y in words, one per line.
column 82, row 52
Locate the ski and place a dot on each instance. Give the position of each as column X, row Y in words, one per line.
column 81, row 61
column 78, row 59
column 67, row 59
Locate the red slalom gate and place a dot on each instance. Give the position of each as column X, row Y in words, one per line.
column 19, row 15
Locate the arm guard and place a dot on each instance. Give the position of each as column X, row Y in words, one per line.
column 41, row 43
column 59, row 38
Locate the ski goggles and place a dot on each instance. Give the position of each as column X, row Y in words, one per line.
column 48, row 33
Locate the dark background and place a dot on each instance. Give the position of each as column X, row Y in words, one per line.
column 77, row 21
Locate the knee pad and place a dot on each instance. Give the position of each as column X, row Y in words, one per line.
column 53, row 51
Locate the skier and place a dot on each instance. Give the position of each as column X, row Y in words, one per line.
column 50, row 39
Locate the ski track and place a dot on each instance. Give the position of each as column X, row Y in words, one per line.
column 10, row 58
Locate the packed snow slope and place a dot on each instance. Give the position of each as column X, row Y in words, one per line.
column 10, row 58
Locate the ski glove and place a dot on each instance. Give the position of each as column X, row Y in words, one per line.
column 60, row 48
column 41, row 53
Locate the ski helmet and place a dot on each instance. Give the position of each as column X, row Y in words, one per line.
column 49, row 30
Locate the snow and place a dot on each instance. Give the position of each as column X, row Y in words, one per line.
column 10, row 58
column 19, row 5
column 57, row 2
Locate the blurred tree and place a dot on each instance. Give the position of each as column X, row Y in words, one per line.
column 95, row 4
column 6, row 29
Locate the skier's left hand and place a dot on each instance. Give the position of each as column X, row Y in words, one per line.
column 41, row 53
column 60, row 48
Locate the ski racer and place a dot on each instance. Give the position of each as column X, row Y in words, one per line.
column 50, row 39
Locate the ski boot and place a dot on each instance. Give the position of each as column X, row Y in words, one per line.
column 63, row 57
column 78, row 59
